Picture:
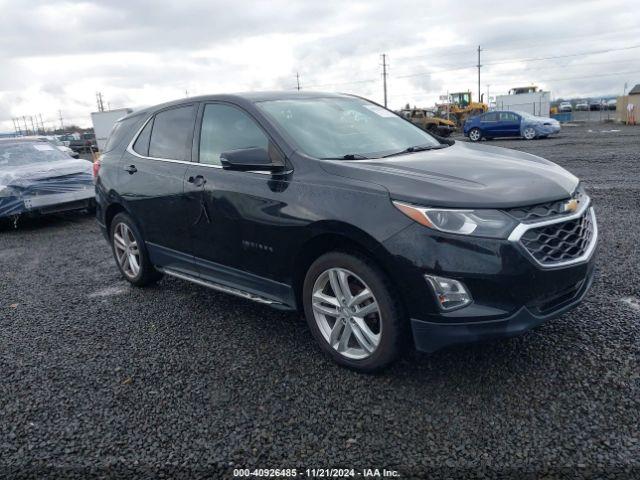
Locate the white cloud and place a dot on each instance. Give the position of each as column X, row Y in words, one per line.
column 141, row 52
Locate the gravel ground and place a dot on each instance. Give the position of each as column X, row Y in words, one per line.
column 100, row 379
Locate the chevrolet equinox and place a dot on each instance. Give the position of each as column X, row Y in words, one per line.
column 337, row 207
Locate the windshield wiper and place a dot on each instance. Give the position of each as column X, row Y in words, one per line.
column 416, row 148
column 349, row 156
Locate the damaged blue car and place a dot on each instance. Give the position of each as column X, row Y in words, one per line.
column 37, row 178
column 498, row 124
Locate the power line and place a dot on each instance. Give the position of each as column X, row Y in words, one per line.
column 446, row 52
column 515, row 60
column 535, row 59
column 582, row 77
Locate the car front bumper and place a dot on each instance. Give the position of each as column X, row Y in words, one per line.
column 511, row 293
column 52, row 203
column 432, row 336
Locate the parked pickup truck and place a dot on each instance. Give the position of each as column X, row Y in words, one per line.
column 86, row 143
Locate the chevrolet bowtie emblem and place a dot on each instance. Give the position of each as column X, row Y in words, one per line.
column 571, row 206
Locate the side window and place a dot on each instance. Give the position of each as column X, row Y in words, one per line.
column 171, row 133
column 508, row 117
column 120, row 130
column 142, row 143
column 490, row 117
column 226, row 128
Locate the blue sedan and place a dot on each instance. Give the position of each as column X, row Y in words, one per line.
column 509, row 124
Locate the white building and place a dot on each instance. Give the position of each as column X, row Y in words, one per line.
column 103, row 123
column 526, row 99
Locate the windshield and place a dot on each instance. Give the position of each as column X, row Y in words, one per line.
column 24, row 153
column 335, row 127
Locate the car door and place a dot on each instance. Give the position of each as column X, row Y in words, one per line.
column 489, row 124
column 236, row 223
column 153, row 188
column 509, row 124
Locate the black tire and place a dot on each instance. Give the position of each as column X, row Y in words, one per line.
column 393, row 322
column 147, row 274
column 475, row 134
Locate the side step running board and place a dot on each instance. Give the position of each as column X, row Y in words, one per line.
column 222, row 288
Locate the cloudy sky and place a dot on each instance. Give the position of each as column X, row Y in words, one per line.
column 55, row 55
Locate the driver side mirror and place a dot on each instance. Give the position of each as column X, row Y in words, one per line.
column 248, row 159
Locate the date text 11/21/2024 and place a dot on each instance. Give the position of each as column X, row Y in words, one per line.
column 315, row 473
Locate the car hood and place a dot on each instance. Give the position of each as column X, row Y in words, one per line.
column 541, row 120
column 28, row 174
column 464, row 175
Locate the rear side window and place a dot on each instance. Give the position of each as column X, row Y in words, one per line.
column 142, row 143
column 490, row 117
column 508, row 117
column 121, row 130
column 171, row 133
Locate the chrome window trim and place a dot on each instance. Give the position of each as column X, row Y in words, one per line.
column 219, row 167
column 136, row 154
column 517, row 233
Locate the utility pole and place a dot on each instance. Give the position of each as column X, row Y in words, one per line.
column 32, row 126
column 44, row 131
column 61, row 124
column 99, row 101
column 384, row 77
column 24, row 120
column 479, row 50
column 298, row 80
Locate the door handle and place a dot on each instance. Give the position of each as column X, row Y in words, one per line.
column 198, row 180
column 131, row 169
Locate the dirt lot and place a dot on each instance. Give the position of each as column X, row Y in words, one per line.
column 101, row 379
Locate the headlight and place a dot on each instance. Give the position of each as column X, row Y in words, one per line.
column 479, row 223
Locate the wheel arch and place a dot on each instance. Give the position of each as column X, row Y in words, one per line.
column 110, row 212
column 337, row 237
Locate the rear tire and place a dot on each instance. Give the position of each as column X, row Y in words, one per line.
column 130, row 252
column 475, row 135
column 373, row 322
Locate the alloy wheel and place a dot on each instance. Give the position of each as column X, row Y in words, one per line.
column 529, row 133
column 474, row 134
column 127, row 250
column 347, row 313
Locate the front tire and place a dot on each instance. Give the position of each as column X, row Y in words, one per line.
column 352, row 312
column 130, row 252
column 529, row 133
column 475, row 135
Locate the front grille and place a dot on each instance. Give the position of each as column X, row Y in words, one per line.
column 545, row 211
column 560, row 242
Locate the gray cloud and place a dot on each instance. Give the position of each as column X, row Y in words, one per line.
column 141, row 51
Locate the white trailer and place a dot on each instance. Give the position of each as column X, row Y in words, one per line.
column 103, row 123
column 535, row 102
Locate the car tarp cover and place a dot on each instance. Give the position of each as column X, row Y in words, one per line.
column 542, row 125
column 36, row 175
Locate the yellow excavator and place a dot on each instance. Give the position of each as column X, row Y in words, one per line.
column 460, row 107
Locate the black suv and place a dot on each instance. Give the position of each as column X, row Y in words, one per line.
column 334, row 205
